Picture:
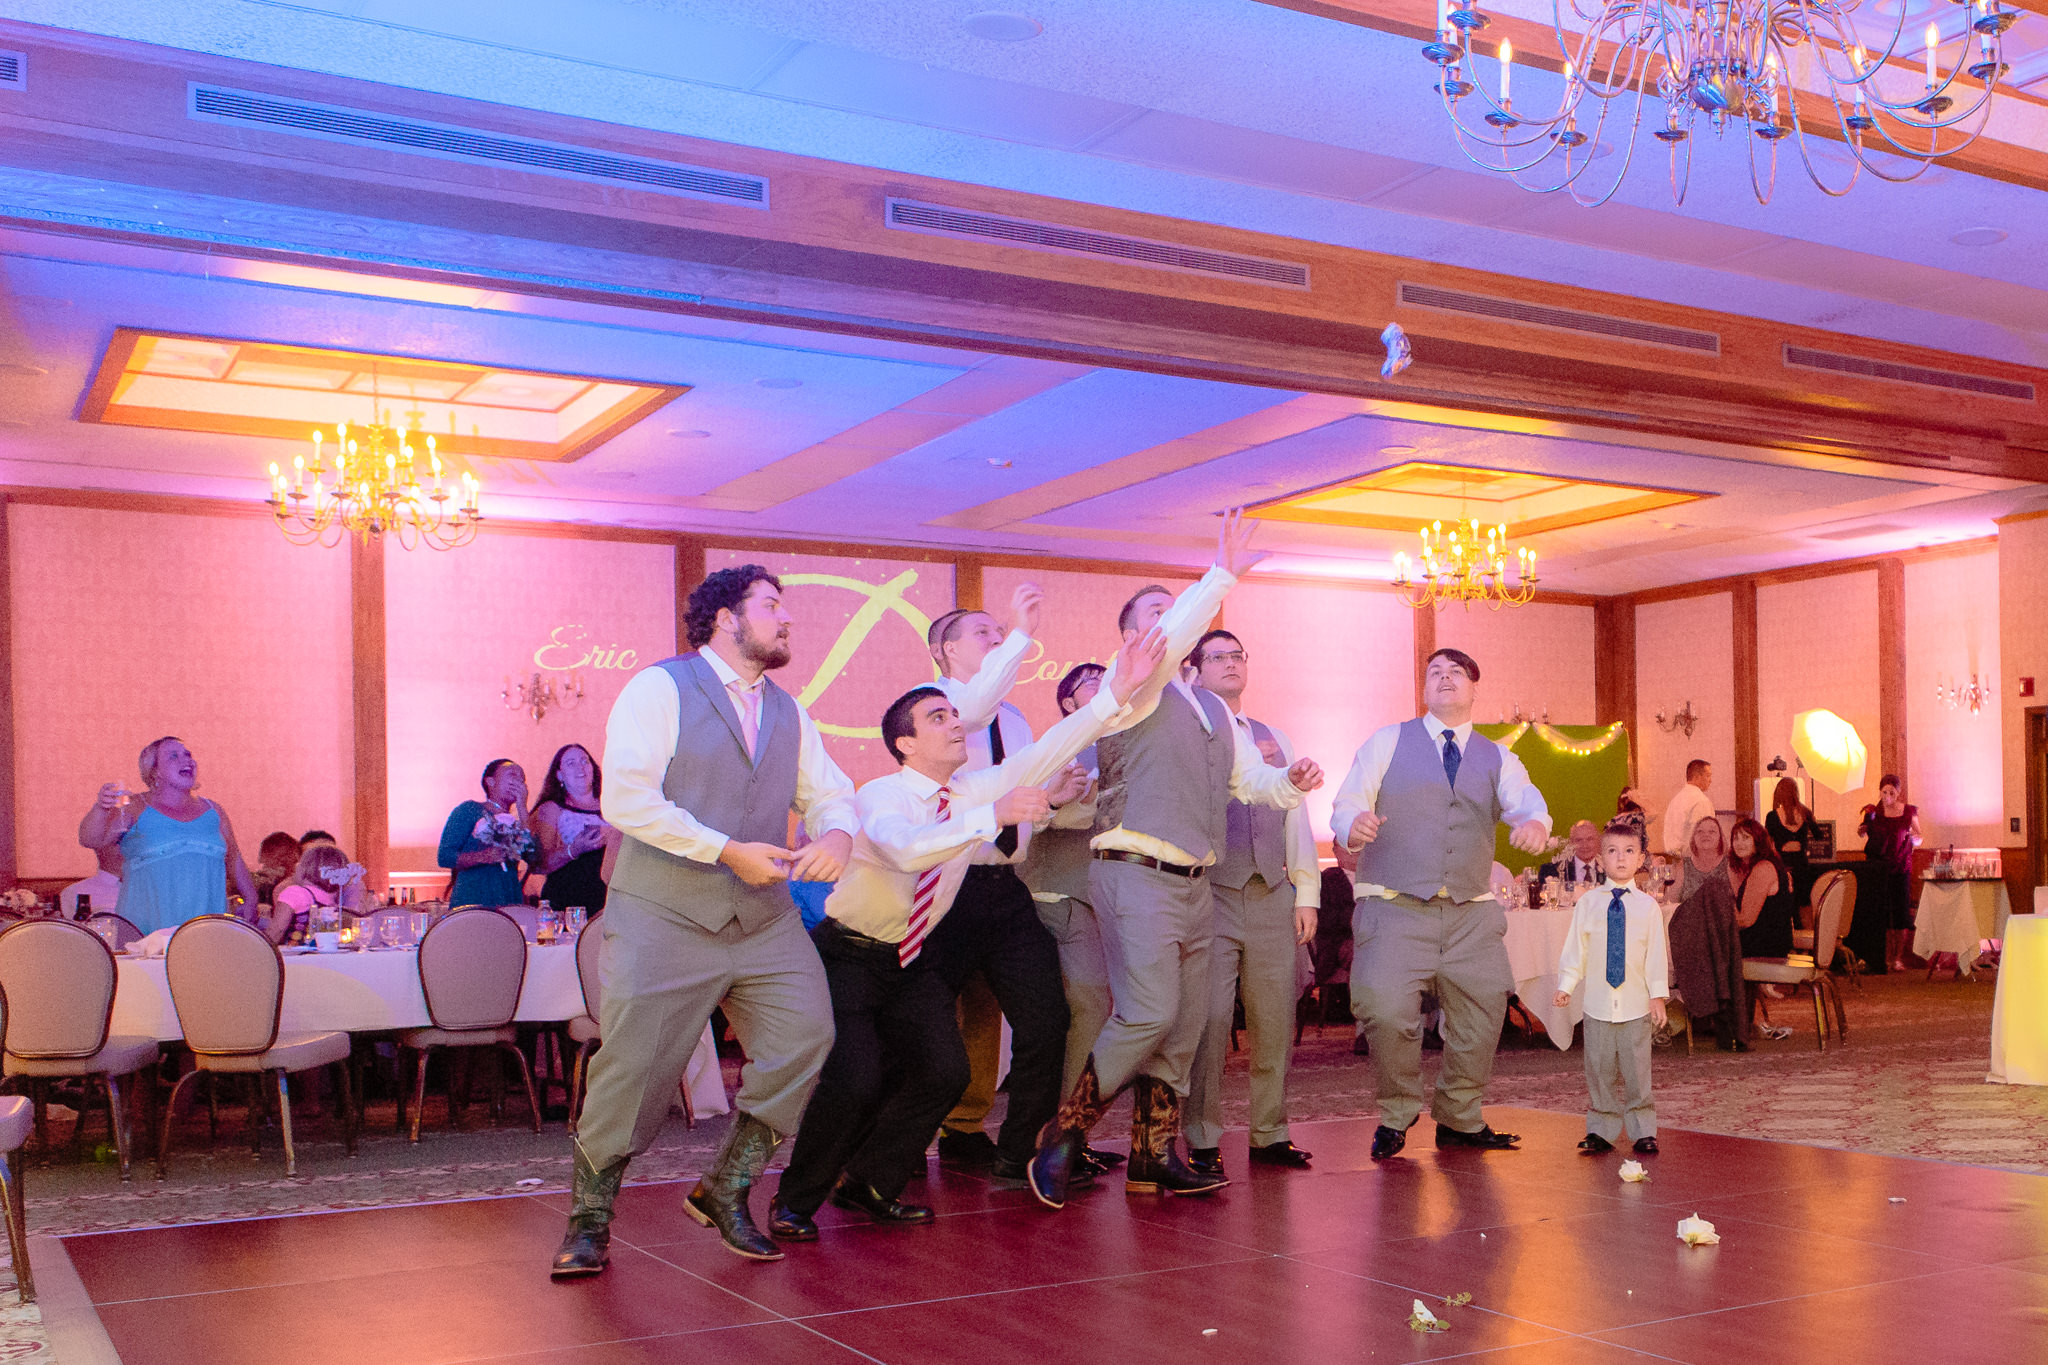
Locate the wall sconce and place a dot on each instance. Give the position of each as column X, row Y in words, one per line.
column 541, row 695
column 1519, row 716
column 1683, row 719
column 1956, row 695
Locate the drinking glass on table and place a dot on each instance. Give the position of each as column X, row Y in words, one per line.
column 390, row 931
column 550, row 924
column 420, row 920
column 576, row 917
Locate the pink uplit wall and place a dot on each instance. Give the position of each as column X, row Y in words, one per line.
column 1538, row 657
column 462, row 624
column 1956, row 756
column 131, row 625
column 857, row 644
column 1685, row 651
column 1077, row 625
column 1816, row 645
column 2023, row 652
column 1329, row 665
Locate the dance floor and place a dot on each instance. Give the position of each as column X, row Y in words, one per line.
column 1825, row 1255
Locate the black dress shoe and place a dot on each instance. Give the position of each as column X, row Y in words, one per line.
column 1101, row 1160
column 1485, row 1139
column 848, row 1195
column 785, row 1224
column 1646, row 1146
column 1594, row 1145
column 1281, row 1153
column 1205, row 1160
column 975, row 1150
column 1387, row 1142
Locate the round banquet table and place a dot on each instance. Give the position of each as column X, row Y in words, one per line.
column 1958, row 917
column 378, row 989
column 2019, row 1010
column 1535, row 938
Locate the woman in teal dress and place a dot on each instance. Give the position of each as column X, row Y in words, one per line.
column 485, row 842
column 178, row 850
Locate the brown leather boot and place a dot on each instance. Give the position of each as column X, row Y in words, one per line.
column 1063, row 1142
column 1156, row 1165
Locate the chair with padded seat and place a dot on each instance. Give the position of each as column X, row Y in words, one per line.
column 1842, row 884
column 17, row 1121
column 472, row 968
column 227, row 986
column 1812, row 974
column 59, row 979
column 585, row 1033
column 125, row 930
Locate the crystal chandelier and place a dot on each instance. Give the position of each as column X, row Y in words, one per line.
column 373, row 486
column 1769, row 68
column 1458, row 566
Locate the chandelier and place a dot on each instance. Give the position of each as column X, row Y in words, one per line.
column 1956, row 694
column 542, row 695
column 1458, row 566
column 1772, row 69
column 373, row 486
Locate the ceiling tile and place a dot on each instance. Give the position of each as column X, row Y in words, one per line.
column 1224, row 150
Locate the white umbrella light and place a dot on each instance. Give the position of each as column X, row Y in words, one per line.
column 1831, row 750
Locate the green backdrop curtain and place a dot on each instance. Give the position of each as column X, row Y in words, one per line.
column 1580, row 769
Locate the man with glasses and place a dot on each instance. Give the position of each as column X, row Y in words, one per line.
column 1266, row 887
column 1420, row 805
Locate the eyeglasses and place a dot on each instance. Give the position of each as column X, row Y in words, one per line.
column 1235, row 656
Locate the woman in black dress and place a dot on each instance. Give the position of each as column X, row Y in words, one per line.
column 574, row 839
column 1764, row 898
column 1790, row 825
column 1891, row 831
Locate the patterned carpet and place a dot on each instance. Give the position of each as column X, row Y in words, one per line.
column 1910, row 1082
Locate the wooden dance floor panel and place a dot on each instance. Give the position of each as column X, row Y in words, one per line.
column 1564, row 1263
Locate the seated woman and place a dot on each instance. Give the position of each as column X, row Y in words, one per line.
column 485, row 842
column 276, row 857
column 575, row 842
column 178, row 850
column 1764, row 898
column 1706, row 947
column 317, row 881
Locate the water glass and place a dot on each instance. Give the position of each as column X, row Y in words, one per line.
column 390, row 931
column 107, row 929
column 420, row 919
column 577, row 918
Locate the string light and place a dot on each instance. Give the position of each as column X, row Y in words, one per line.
column 1560, row 741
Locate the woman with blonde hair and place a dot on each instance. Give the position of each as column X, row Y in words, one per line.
column 322, row 878
column 178, row 849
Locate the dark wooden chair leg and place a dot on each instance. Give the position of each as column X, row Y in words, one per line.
column 163, row 1145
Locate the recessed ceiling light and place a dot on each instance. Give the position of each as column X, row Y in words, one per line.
column 1000, row 26
column 1979, row 236
column 780, row 383
column 999, row 464
column 1397, row 450
column 688, row 433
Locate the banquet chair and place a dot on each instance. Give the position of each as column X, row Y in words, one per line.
column 1813, row 975
column 1843, row 885
column 584, row 1032
column 125, row 931
column 59, row 980
column 17, row 1121
column 472, row 967
column 227, row 986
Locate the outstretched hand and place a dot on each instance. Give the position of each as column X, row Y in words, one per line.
column 1233, row 544
column 1135, row 661
column 1024, row 608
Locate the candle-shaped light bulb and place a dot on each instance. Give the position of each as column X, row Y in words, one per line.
column 1400, row 566
column 1933, row 39
column 1507, row 65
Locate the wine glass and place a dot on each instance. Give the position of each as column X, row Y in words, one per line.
column 420, row 919
column 577, row 917
column 390, row 931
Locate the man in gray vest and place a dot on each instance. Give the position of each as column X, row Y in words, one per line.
column 1266, row 886
column 1420, row 805
column 1159, row 823
column 704, row 760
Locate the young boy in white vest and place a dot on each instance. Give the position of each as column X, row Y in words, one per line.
column 1616, row 949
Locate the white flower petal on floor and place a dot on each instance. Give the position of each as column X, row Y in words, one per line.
column 1697, row 1231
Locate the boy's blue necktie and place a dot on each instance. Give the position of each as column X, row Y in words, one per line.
column 1617, row 939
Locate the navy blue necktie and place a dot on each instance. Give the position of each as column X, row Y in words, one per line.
column 1452, row 758
column 1617, row 940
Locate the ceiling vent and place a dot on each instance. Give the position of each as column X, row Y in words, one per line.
column 245, row 109
column 13, row 71
column 1805, row 358
column 1558, row 319
column 936, row 220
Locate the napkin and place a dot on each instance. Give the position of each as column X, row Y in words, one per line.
column 153, row 946
column 1633, row 1172
column 1697, row 1231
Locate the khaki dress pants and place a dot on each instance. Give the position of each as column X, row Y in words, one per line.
column 1254, row 954
column 1084, row 971
column 1156, row 929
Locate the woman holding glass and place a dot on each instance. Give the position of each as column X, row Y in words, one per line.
column 486, row 842
column 177, row 849
column 575, row 842
column 324, row 879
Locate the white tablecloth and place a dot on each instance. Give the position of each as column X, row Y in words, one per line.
column 378, row 989
column 2019, row 1011
column 1957, row 917
column 1534, row 940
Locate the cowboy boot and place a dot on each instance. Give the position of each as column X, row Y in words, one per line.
column 720, row 1197
column 1157, row 1167
column 1063, row 1142
column 586, row 1246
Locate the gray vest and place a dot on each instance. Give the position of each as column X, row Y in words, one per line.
column 1056, row 864
column 1434, row 837
column 1168, row 777
column 1255, row 839
column 712, row 778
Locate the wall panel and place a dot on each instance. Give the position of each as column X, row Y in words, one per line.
column 1817, row 647
column 1538, row 657
column 1684, row 652
column 1957, row 778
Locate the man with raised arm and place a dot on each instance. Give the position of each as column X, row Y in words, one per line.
column 1419, row 806
column 1167, row 776
column 704, row 760
column 898, row 1062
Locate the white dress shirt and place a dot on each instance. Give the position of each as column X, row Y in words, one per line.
column 980, row 702
column 1577, row 869
column 901, row 835
column 1648, row 957
column 640, row 742
column 1686, row 810
column 1519, row 799
column 1303, row 871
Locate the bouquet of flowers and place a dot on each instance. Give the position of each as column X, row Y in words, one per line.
column 503, row 830
column 19, row 899
column 339, row 877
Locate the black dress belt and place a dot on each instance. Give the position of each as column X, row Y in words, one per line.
column 1117, row 855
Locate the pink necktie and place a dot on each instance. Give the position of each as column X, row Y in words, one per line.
column 747, row 701
column 921, row 902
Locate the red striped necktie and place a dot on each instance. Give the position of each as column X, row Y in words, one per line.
column 921, row 901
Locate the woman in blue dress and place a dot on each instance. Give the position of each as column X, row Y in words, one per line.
column 485, row 843
column 178, row 850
